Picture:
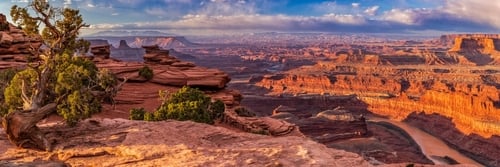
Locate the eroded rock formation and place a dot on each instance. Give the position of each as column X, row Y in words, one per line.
column 468, row 97
column 15, row 45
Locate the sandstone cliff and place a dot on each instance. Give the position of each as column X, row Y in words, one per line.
column 479, row 49
column 168, row 70
column 468, row 97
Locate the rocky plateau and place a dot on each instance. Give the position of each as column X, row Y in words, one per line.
column 306, row 104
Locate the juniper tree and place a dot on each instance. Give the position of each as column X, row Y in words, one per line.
column 61, row 81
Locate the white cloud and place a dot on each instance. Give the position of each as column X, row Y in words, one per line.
column 156, row 12
column 408, row 16
column 246, row 22
column 355, row 5
column 344, row 19
column 247, row 15
column 480, row 11
column 333, row 7
column 371, row 11
column 227, row 7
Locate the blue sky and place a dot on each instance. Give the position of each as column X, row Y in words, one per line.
column 202, row 17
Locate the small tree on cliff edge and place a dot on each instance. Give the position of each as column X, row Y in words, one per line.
column 60, row 82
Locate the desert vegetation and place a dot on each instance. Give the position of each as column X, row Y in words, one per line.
column 146, row 72
column 185, row 104
column 61, row 81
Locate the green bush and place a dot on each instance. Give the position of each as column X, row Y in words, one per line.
column 149, row 117
column 146, row 72
column 217, row 109
column 4, row 27
column 244, row 112
column 187, row 104
column 5, row 78
column 70, row 86
column 137, row 114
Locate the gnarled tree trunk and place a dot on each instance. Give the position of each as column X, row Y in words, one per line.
column 21, row 129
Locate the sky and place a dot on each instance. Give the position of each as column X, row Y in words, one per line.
column 209, row 17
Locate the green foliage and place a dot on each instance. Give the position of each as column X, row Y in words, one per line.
column 77, row 106
column 217, row 109
column 75, row 84
column 60, row 30
column 149, row 117
column 74, row 80
column 146, row 72
column 5, row 78
column 244, row 112
column 13, row 92
column 187, row 104
column 4, row 26
column 137, row 114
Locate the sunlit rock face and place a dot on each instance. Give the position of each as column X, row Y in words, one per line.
column 477, row 49
column 118, row 142
column 466, row 94
column 473, row 105
column 15, row 45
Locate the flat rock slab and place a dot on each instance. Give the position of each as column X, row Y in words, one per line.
column 120, row 142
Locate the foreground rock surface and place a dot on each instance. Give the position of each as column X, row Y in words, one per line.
column 119, row 142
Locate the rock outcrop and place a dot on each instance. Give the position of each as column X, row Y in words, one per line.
column 478, row 49
column 101, row 51
column 15, row 45
column 450, row 39
column 162, row 42
column 158, row 56
column 468, row 44
column 118, row 142
column 126, row 53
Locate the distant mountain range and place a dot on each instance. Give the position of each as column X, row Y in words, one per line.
column 120, row 33
column 164, row 42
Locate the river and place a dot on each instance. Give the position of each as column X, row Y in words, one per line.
column 430, row 145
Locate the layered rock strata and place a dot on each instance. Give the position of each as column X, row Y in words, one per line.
column 15, row 45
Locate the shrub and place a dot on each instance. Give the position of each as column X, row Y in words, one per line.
column 5, row 78
column 187, row 104
column 72, row 85
column 217, row 109
column 244, row 112
column 137, row 114
column 4, row 27
column 149, row 117
column 146, row 72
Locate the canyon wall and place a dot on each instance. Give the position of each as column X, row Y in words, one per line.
column 466, row 96
column 486, row 151
column 469, row 97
